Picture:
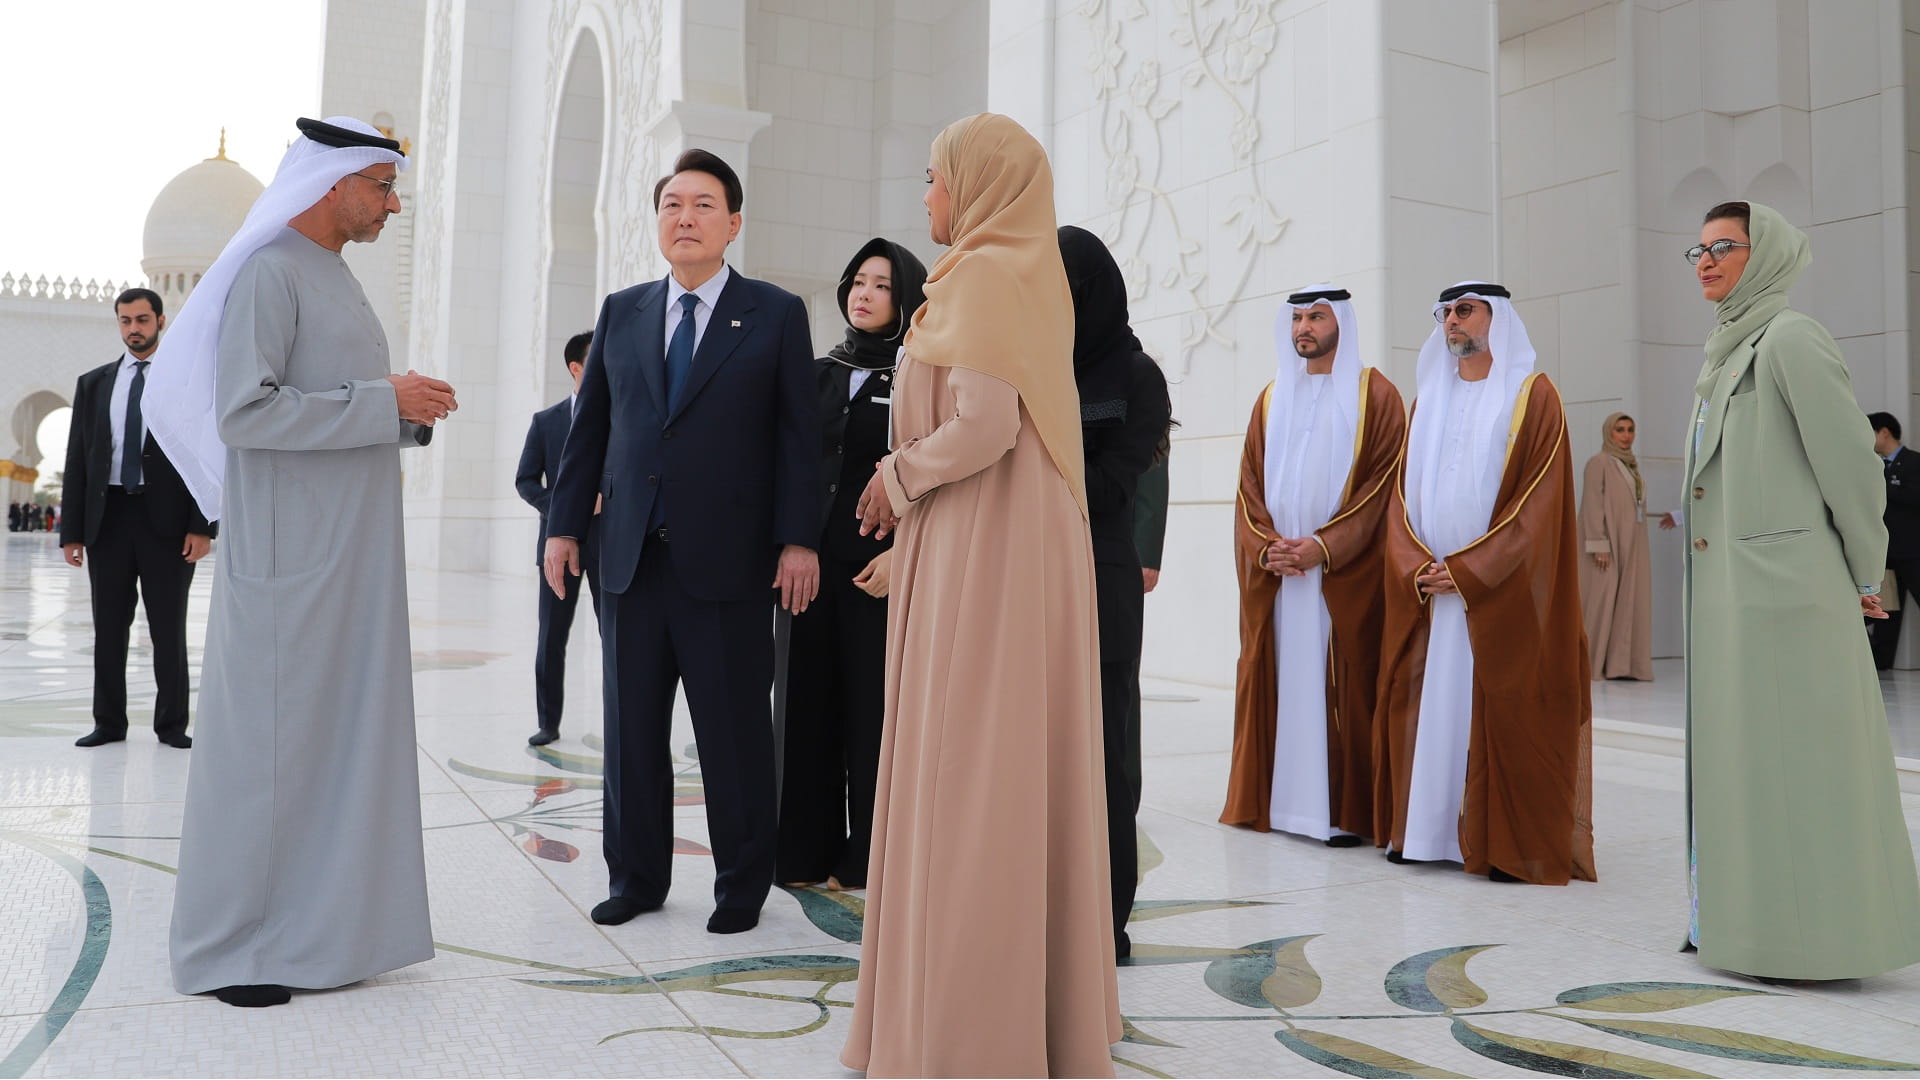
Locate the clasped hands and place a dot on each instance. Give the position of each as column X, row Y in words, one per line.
column 1292, row 558
column 1435, row 580
column 422, row 399
column 875, row 509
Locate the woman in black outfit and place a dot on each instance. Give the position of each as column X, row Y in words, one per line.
column 837, row 655
column 1125, row 415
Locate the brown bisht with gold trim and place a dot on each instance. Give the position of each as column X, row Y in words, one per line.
column 1528, row 804
column 1351, row 585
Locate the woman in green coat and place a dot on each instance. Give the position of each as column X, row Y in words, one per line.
column 1801, row 865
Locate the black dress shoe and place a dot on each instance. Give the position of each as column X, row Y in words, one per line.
column 1396, row 858
column 254, row 997
column 543, row 736
column 1496, row 874
column 179, row 741
column 1122, row 946
column 1344, row 840
column 99, row 737
column 615, row 910
column 733, row 920
column 1688, row 946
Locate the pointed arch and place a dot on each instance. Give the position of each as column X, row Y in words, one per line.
column 576, row 192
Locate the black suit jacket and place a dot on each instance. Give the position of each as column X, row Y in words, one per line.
column 83, row 489
column 735, row 459
column 1903, row 507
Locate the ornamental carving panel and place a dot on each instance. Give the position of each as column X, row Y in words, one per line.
column 1204, row 257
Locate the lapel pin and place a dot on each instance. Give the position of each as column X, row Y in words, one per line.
column 735, row 323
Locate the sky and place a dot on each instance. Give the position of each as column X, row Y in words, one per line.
column 110, row 99
column 107, row 100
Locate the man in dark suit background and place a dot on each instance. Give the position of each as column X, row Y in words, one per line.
column 696, row 427
column 539, row 465
column 1903, row 531
column 128, row 518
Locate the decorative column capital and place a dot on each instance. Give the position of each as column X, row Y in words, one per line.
column 684, row 123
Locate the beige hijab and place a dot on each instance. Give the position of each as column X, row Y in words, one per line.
column 997, row 301
column 1624, row 457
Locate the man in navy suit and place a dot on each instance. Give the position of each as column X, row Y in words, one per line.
column 696, row 429
column 130, row 521
column 539, row 463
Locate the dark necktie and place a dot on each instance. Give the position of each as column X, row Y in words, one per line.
column 133, row 432
column 680, row 349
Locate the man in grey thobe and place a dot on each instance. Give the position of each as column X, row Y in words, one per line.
column 301, row 863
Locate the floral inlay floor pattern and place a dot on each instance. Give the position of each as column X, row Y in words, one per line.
column 1254, row 954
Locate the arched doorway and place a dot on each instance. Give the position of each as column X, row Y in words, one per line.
column 51, row 436
column 33, row 464
column 573, row 286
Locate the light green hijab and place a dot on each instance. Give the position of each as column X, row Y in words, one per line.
column 1778, row 256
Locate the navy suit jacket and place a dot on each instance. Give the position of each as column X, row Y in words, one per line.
column 540, row 463
column 734, row 461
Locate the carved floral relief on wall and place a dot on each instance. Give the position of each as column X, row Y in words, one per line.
column 1211, row 59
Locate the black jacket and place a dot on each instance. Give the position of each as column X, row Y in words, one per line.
column 1120, row 437
column 854, row 430
column 1903, row 507
column 83, row 491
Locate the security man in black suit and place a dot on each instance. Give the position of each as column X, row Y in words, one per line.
column 128, row 518
column 1903, row 531
column 697, row 430
column 539, row 464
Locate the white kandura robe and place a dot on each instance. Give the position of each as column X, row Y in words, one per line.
column 1459, row 514
column 1302, row 498
column 301, row 861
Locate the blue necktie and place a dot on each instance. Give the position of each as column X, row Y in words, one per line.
column 133, row 432
column 680, row 350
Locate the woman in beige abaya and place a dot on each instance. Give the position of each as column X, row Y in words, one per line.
column 988, row 947
column 1616, row 578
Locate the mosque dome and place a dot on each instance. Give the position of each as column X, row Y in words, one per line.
column 199, row 210
column 192, row 218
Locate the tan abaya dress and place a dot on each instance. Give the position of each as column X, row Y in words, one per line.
column 1617, row 602
column 988, row 944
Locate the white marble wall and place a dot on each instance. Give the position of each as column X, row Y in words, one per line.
column 1227, row 153
column 810, row 190
column 1567, row 244
column 378, row 80
column 856, row 91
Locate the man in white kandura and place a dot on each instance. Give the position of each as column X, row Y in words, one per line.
column 301, row 863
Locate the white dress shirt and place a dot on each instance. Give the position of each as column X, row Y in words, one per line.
column 117, row 416
column 709, row 294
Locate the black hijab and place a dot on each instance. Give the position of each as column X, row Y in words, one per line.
column 1104, row 344
column 876, row 351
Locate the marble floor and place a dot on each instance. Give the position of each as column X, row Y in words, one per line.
column 1258, row 955
column 1658, row 704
